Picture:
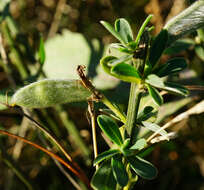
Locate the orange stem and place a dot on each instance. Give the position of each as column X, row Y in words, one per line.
column 73, row 170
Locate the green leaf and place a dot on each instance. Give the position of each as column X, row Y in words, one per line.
column 154, row 81
column 120, row 60
column 105, row 63
column 50, row 92
column 147, row 69
column 126, row 143
column 110, row 128
column 105, row 155
column 172, row 66
column 119, row 171
column 179, row 46
column 186, row 22
column 121, row 48
column 158, row 47
column 41, row 51
column 154, row 127
column 123, row 28
column 200, row 52
column 103, row 178
column 142, row 167
column 146, row 151
column 142, row 29
column 132, row 45
column 145, row 114
column 201, row 34
column 126, row 72
column 176, row 88
column 139, row 145
column 155, row 95
column 111, row 29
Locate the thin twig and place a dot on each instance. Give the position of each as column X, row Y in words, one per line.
column 57, row 18
column 51, row 154
column 93, row 126
column 66, row 174
column 39, row 126
column 194, row 87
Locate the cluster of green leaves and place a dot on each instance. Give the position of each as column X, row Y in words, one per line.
column 149, row 75
column 121, row 165
column 123, row 152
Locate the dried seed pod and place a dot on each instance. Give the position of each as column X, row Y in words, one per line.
column 50, row 92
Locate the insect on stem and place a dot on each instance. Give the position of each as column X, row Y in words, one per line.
column 97, row 96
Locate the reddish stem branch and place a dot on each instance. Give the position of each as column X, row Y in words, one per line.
column 51, row 154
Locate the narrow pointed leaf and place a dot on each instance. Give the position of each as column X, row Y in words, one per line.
column 142, row 29
column 111, row 29
column 200, row 32
column 119, row 171
column 186, row 22
column 103, row 178
column 176, row 88
column 110, row 128
column 139, row 145
column 105, row 155
column 172, row 66
column 158, row 47
column 154, row 127
column 50, row 92
column 121, row 48
column 200, row 52
column 142, row 167
column 155, row 81
column 126, row 72
column 123, row 28
column 157, row 98
column 41, row 52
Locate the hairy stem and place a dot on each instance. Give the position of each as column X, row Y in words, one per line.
column 133, row 106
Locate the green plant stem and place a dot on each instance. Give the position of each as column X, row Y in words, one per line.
column 114, row 109
column 14, row 55
column 18, row 173
column 50, row 122
column 39, row 126
column 73, row 131
column 9, row 162
column 133, row 106
column 136, row 91
column 118, row 187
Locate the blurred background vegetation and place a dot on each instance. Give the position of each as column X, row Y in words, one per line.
column 73, row 36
